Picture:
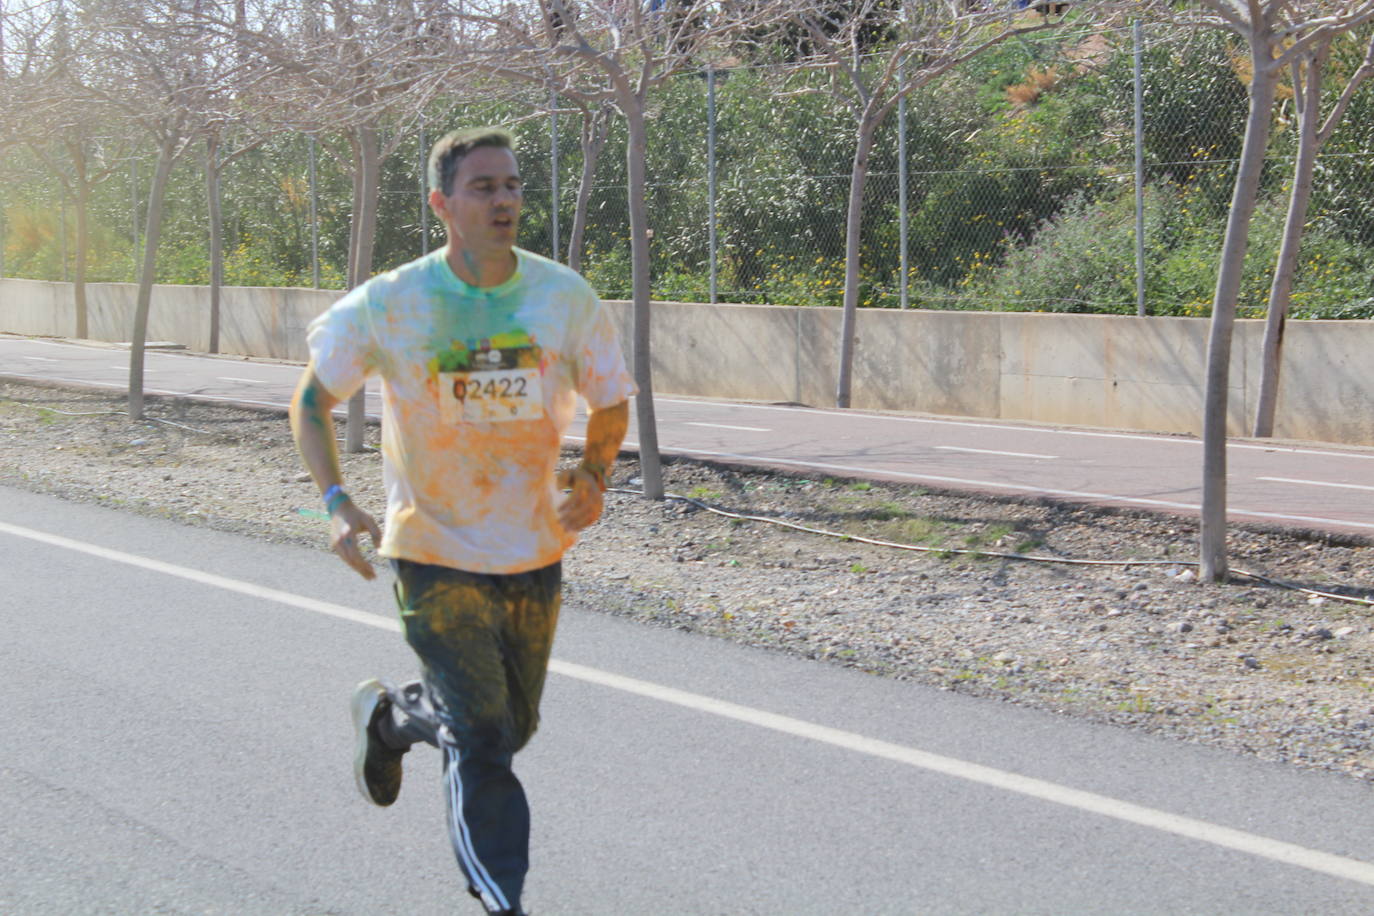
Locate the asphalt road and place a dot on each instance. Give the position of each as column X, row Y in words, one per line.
column 1305, row 485
column 177, row 740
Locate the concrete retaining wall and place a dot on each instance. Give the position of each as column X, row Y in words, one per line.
column 1089, row 370
column 254, row 321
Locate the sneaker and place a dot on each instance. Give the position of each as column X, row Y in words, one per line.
column 477, row 895
column 376, row 767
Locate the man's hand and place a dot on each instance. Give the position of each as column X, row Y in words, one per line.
column 349, row 523
column 312, row 424
column 584, row 504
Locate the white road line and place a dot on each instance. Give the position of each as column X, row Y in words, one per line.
column 1015, row 488
column 42, row 359
column 234, row 378
column 1086, row 433
column 276, row 405
column 1231, row 511
column 60, row 378
column 125, row 368
column 1297, row 450
column 746, row 429
column 988, row 451
column 1043, row 790
column 1366, row 455
column 203, row 578
column 1317, row 483
column 41, row 343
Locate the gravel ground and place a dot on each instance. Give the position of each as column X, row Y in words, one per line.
column 1257, row 668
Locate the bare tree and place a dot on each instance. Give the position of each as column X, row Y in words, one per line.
column 874, row 53
column 87, row 163
column 229, row 133
column 353, row 68
column 1309, row 72
column 614, row 52
column 159, row 91
column 51, row 105
column 596, row 130
column 1276, row 33
column 129, row 60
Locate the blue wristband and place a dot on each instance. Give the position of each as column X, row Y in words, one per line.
column 334, row 497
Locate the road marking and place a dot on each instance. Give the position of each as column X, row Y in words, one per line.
column 1317, row 483
column 1366, row 454
column 126, row 368
column 988, row 451
column 746, row 429
column 234, row 378
column 1043, row 790
column 42, row 359
column 1013, row 487
column 203, row 578
column 275, row 405
column 61, row 378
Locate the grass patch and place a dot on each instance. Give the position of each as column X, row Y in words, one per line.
column 886, row 512
column 925, row 531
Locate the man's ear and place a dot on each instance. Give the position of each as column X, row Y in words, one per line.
column 438, row 204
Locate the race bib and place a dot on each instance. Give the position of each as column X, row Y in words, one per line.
column 491, row 396
column 490, row 380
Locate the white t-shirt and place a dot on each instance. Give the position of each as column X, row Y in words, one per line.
column 478, row 386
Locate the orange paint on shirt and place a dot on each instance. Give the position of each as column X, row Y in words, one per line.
column 473, row 495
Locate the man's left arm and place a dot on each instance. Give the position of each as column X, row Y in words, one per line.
column 605, row 431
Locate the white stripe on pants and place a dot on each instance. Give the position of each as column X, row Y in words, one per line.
column 476, row 872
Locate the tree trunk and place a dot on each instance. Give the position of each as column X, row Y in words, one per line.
column 212, row 201
column 355, row 223
column 1212, row 552
column 152, row 229
column 360, row 258
column 596, row 129
column 650, row 467
column 1281, row 289
column 853, row 227
column 83, row 240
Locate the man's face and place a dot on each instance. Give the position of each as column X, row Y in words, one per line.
column 483, row 209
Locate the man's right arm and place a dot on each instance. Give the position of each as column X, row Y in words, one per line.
column 312, row 425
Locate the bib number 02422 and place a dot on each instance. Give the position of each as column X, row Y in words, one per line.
column 491, row 396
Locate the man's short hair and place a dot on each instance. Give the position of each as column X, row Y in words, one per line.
column 449, row 152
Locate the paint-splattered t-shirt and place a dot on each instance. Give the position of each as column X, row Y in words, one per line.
column 478, row 386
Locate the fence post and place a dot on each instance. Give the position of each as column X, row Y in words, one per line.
column 424, row 205
column 1139, row 176
column 62, row 203
column 314, row 220
column 133, row 209
column 711, row 175
column 901, row 191
column 553, row 172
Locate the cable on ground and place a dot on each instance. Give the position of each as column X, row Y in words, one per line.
column 1030, row 558
column 109, row 413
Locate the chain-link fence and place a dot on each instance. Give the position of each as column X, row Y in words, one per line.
column 1023, row 180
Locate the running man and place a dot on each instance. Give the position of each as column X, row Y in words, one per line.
column 482, row 349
